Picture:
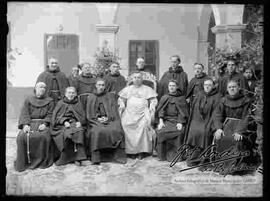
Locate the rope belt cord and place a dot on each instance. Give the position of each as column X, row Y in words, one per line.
column 37, row 119
column 28, row 145
column 249, row 91
column 84, row 94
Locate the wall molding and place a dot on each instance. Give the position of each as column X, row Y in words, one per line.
column 228, row 28
column 103, row 28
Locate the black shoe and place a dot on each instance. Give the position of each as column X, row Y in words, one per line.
column 95, row 163
column 83, row 163
column 121, row 160
column 78, row 163
column 205, row 168
column 140, row 156
column 154, row 154
column 191, row 163
column 132, row 156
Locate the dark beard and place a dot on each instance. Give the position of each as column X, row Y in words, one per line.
column 115, row 74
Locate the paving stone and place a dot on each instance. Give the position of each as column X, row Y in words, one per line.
column 147, row 177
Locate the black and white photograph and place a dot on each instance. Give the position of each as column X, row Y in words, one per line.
column 134, row 99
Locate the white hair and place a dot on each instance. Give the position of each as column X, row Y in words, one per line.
column 38, row 84
column 140, row 58
column 70, row 88
column 52, row 58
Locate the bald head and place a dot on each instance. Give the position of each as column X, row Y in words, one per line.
column 175, row 61
column 40, row 89
column 75, row 71
column 40, row 84
column 70, row 93
column 53, row 64
column 233, row 87
column 140, row 63
column 114, row 68
column 137, row 78
column 87, row 69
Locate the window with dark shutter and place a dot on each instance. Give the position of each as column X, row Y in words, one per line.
column 147, row 49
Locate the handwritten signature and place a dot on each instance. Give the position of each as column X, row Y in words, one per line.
column 225, row 162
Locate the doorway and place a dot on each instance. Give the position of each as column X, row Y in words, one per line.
column 65, row 48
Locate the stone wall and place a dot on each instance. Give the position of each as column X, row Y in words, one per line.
column 15, row 99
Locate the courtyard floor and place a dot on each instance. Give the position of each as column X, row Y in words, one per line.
column 147, row 177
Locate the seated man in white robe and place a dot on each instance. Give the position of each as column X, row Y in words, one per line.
column 137, row 104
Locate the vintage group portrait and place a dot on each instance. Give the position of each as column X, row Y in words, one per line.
column 134, row 99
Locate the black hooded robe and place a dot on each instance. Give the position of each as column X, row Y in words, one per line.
column 72, row 80
column 177, row 74
column 172, row 109
column 115, row 83
column 69, row 141
column 237, row 107
column 35, row 111
column 252, row 83
column 199, row 132
column 222, row 82
column 56, row 83
column 100, row 137
column 84, row 85
column 195, row 85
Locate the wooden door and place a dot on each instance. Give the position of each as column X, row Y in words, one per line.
column 65, row 48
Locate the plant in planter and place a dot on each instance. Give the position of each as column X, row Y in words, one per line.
column 251, row 52
column 221, row 57
column 103, row 59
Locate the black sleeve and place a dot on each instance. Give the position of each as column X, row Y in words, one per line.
column 24, row 118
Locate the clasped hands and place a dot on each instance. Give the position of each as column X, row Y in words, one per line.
column 67, row 124
column 161, row 124
column 26, row 128
column 102, row 119
column 220, row 133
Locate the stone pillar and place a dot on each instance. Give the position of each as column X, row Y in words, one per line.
column 107, row 33
column 202, row 53
column 228, row 36
column 107, row 29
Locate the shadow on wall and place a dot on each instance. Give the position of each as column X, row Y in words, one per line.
column 15, row 99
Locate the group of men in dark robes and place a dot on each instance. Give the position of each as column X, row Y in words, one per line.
column 86, row 117
column 71, row 119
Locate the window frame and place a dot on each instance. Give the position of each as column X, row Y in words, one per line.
column 143, row 42
column 59, row 49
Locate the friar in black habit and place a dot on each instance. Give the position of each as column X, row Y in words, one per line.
column 68, row 127
column 55, row 80
column 105, row 135
column 35, row 147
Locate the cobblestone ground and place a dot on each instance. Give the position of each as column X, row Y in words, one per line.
column 148, row 177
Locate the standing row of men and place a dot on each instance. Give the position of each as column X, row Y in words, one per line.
column 86, row 121
column 247, row 79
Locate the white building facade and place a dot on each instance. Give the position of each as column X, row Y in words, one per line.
column 153, row 31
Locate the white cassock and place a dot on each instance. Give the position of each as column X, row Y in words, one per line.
column 137, row 108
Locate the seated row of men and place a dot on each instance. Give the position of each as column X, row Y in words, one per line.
column 67, row 133
column 94, row 126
